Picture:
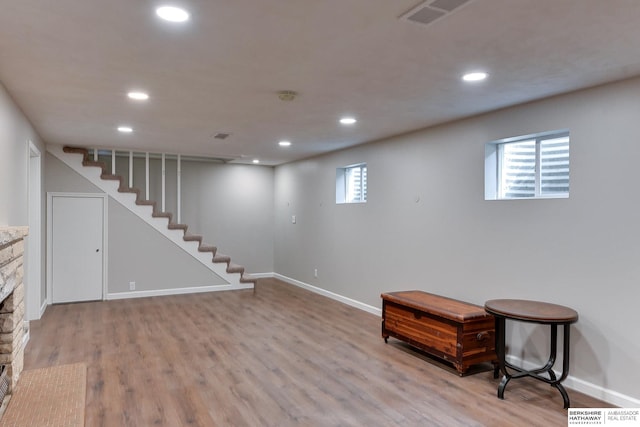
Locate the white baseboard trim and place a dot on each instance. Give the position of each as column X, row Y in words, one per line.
column 345, row 300
column 27, row 335
column 610, row 396
column 263, row 275
column 43, row 308
column 176, row 291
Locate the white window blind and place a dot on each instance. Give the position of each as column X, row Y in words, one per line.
column 554, row 165
column 356, row 179
column 351, row 184
column 534, row 167
column 518, row 174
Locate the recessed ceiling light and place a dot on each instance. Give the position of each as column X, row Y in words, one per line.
column 476, row 76
column 256, row 161
column 138, row 96
column 172, row 14
column 348, row 120
column 125, row 129
column 284, row 143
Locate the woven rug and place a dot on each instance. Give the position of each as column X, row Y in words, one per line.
column 46, row 397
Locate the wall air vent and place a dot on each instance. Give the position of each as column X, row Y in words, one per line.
column 221, row 135
column 430, row 11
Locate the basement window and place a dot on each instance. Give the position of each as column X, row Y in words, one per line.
column 351, row 184
column 528, row 167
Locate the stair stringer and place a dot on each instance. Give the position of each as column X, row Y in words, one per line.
column 144, row 212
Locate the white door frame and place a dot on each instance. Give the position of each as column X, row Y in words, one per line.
column 105, row 222
column 33, row 281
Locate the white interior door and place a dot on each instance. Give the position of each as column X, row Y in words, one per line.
column 77, row 247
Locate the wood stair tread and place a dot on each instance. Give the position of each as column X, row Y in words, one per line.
column 93, row 163
column 235, row 268
column 174, row 226
column 111, row 177
column 129, row 190
column 162, row 215
column 77, row 150
column 222, row 258
column 247, row 278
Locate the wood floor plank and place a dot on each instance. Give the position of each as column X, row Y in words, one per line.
column 280, row 356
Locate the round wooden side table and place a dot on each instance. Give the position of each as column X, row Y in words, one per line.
column 533, row 312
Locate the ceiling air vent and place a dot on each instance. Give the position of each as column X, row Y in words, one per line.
column 221, row 135
column 432, row 10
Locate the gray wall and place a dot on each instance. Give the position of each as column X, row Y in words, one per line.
column 427, row 226
column 232, row 207
column 136, row 251
column 15, row 132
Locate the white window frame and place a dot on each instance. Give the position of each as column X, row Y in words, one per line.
column 493, row 165
column 342, row 184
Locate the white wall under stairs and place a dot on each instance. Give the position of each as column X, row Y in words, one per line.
column 144, row 212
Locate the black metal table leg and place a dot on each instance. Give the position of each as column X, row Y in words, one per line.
column 501, row 353
column 534, row 312
column 534, row 373
column 565, row 365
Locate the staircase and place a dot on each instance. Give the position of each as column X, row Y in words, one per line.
column 147, row 210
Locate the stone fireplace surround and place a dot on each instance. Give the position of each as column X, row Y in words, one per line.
column 12, row 301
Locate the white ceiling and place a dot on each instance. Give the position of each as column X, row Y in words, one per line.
column 69, row 64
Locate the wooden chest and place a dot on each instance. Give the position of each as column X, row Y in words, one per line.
column 456, row 331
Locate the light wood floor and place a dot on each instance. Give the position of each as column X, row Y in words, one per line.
column 281, row 356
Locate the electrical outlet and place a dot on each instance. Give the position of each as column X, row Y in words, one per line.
column 315, row 272
column 132, row 286
column 293, row 219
